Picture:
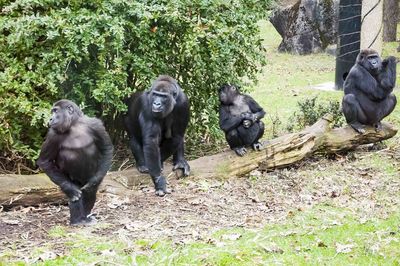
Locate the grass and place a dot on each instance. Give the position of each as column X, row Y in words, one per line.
column 310, row 238
column 323, row 235
column 327, row 233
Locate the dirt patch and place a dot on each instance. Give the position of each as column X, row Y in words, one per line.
column 196, row 208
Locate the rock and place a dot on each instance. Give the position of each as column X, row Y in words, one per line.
column 308, row 26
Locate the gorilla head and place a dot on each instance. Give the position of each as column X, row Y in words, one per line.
column 162, row 96
column 370, row 60
column 64, row 114
column 228, row 94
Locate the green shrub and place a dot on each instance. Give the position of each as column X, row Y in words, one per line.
column 310, row 112
column 98, row 52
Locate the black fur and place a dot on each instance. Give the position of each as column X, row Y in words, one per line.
column 156, row 122
column 240, row 118
column 76, row 155
column 368, row 90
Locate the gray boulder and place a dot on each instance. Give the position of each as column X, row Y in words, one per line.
column 308, row 26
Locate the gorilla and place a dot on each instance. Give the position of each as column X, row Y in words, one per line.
column 239, row 118
column 76, row 155
column 156, row 122
column 368, row 90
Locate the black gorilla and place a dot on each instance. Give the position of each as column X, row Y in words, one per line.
column 76, row 155
column 239, row 118
column 368, row 90
column 156, row 122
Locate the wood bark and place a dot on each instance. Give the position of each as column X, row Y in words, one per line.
column 390, row 14
column 276, row 153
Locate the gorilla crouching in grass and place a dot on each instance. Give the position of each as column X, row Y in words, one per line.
column 239, row 118
column 76, row 155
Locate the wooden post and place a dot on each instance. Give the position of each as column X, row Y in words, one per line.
column 371, row 24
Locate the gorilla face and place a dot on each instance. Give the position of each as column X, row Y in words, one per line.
column 370, row 60
column 63, row 114
column 375, row 63
column 227, row 94
column 162, row 103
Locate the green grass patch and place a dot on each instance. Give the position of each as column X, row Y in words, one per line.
column 322, row 235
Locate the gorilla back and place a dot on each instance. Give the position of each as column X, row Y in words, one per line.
column 156, row 122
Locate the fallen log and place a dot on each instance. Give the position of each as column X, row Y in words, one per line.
column 290, row 148
column 276, row 153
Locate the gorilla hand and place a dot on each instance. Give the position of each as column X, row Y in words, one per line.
column 247, row 123
column 249, row 116
column 72, row 191
column 91, row 185
column 184, row 166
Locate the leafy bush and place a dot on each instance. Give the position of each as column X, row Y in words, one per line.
column 98, row 52
column 310, row 111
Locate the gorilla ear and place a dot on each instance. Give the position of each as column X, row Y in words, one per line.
column 70, row 109
column 175, row 92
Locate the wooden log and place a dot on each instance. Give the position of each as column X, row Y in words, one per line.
column 276, row 153
column 31, row 190
column 290, row 148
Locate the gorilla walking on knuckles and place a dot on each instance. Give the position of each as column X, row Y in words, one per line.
column 239, row 118
column 76, row 155
column 368, row 90
column 156, row 122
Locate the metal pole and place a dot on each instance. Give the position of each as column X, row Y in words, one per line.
column 349, row 31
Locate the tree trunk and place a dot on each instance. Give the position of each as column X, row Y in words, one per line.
column 278, row 152
column 390, row 13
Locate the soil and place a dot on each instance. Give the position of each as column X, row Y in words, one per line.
column 196, row 208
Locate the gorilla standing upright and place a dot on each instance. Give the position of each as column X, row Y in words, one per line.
column 156, row 122
column 368, row 90
column 239, row 118
column 76, row 155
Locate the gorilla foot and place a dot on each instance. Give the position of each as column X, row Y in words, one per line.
column 360, row 128
column 142, row 169
column 90, row 220
column 184, row 166
column 378, row 126
column 240, row 151
column 162, row 193
column 257, row 146
column 160, row 185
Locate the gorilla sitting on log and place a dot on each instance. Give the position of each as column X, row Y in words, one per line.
column 239, row 118
column 76, row 155
column 156, row 122
column 368, row 90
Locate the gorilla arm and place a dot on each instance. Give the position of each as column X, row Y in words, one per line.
column 360, row 83
column 387, row 76
column 46, row 162
column 257, row 111
column 104, row 145
column 227, row 121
